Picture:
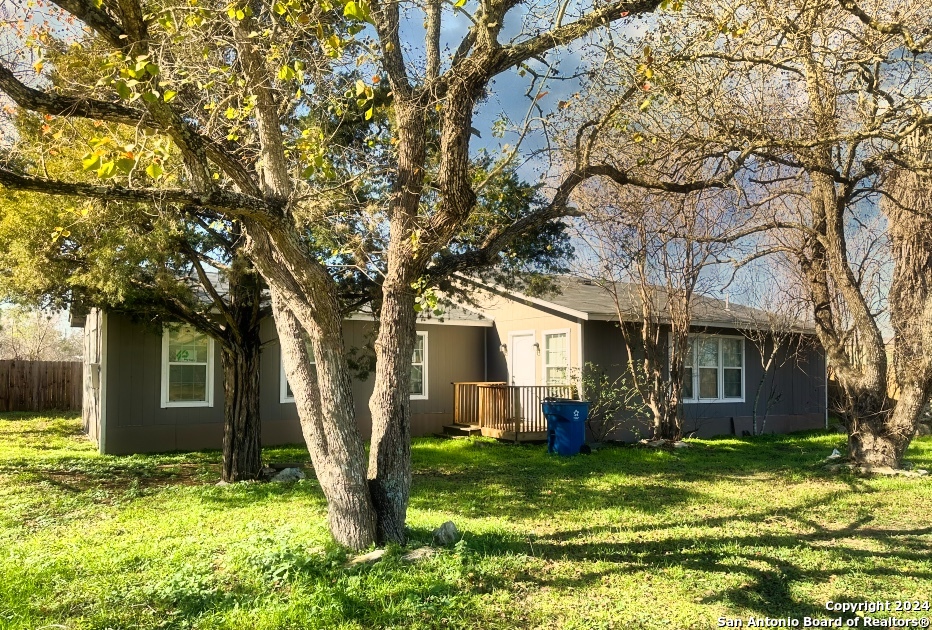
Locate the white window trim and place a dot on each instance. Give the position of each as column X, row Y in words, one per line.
column 543, row 355
column 166, row 404
column 424, row 371
column 721, row 370
column 283, row 397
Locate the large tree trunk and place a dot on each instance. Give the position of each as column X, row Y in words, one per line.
column 390, row 452
column 306, row 310
column 882, row 440
column 328, row 422
column 242, row 435
column 240, row 348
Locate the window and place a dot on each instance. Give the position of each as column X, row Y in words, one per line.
column 708, row 368
column 688, row 362
column 286, row 395
column 418, row 371
column 713, row 368
column 419, row 368
column 187, row 368
column 556, row 357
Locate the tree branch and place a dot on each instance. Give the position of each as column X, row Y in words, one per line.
column 515, row 54
column 75, row 107
column 237, row 204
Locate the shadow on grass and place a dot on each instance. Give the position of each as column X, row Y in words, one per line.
column 766, row 562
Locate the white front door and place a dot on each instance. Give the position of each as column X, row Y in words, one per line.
column 523, row 359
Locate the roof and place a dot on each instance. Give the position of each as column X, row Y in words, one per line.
column 591, row 300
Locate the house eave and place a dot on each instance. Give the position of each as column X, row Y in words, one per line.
column 517, row 295
column 485, row 323
column 708, row 323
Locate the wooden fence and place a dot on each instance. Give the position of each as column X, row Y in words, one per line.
column 40, row 385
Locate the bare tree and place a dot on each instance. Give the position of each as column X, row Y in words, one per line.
column 651, row 254
column 813, row 105
column 36, row 335
column 778, row 334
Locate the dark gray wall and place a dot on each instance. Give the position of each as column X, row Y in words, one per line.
column 135, row 420
column 137, row 423
column 454, row 353
column 794, row 390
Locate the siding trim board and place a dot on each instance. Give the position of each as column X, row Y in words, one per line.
column 103, row 335
column 433, row 321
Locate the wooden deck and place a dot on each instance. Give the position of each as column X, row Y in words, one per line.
column 506, row 412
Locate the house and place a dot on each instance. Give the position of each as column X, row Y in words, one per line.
column 489, row 364
column 535, row 341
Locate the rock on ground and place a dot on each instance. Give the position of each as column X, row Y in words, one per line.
column 446, row 534
column 288, row 475
column 367, row 558
column 421, row 553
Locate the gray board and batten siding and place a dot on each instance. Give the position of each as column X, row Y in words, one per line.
column 133, row 420
column 588, row 313
column 794, row 388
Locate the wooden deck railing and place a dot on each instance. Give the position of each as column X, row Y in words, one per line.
column 502, row 410
column 466, row 401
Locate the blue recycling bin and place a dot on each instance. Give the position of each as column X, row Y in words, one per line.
column 566, row 424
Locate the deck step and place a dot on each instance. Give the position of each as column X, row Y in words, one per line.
column 462, row 429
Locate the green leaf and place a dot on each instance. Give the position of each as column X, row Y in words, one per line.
column 286, row 73
column 91, row 161
column 106, row 170
column 459, row 3
column 169, row 95
column 279, row 8
column 123, row 90
column 125, row 164
column 369, row 114
column 356, row 10
column 230, row 113
column 154, row 171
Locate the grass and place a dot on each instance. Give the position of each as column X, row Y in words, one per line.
column 624, row 538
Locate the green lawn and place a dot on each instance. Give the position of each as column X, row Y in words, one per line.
column 624, row 538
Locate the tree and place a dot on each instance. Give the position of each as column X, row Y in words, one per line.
column 777, row 333
column 36, row 335
column 813, row 106
column 245, row 93
column 651, row 253
column 157, row 269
